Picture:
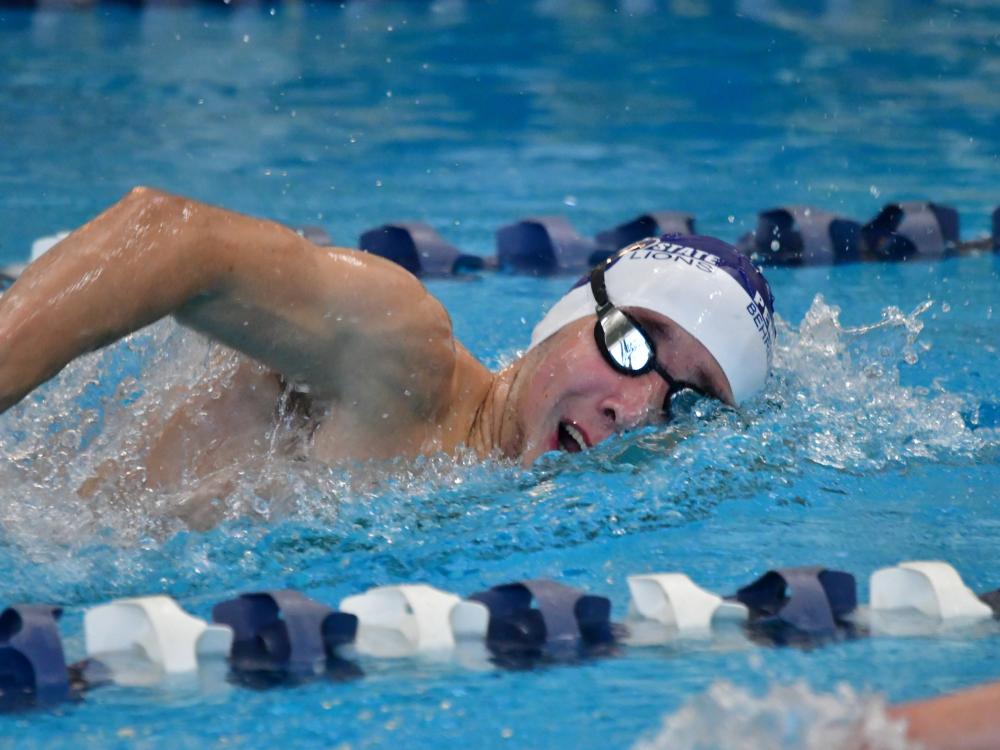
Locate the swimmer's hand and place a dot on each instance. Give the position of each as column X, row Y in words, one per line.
column 345, row 325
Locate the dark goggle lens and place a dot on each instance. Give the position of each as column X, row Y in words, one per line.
column 627, row 347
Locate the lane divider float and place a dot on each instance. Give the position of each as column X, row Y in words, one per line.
column 278, row 636
column 412, row 618
column 543, row 245
column 283, row 631
column 165, row 634
column 419, row 249
column 652, row 224
column 677, row 603
column 541, row 617
column 32, row 663
column 792, row 235
column 792, row 605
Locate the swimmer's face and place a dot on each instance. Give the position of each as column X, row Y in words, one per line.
column 571, row 399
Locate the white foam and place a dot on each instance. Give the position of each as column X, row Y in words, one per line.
column 787, row 717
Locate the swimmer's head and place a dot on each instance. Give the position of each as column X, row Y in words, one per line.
column 702, row 284
column 705, row 308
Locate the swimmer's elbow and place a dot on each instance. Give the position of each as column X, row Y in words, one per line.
column 143, row 196
column 187, row 235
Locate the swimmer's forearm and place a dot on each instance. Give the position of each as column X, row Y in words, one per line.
column 125, row 269
column 967, row 720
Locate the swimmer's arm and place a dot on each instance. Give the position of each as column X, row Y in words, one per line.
column 252, row 284
column 966, row 720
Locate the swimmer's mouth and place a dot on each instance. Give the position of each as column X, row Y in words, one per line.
column 571, row 439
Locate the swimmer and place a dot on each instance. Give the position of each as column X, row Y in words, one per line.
column 369, row 352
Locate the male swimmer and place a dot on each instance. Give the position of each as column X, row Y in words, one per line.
column 372, row 349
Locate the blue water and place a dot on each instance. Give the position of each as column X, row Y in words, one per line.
column 871, row 445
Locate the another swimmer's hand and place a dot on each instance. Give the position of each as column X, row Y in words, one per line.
column 966, row 720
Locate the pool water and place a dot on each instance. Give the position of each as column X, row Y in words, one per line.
column 877, row 440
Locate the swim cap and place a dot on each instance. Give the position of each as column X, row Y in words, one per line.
column 704, row 285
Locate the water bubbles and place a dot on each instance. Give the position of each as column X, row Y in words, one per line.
column 569, row 200
column 246, row 38
column 874, row 191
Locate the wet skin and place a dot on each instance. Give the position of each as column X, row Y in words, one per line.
column 372, row 347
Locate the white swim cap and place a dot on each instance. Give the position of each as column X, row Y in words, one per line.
column 704, row 285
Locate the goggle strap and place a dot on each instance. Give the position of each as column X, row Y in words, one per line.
column 600, row 289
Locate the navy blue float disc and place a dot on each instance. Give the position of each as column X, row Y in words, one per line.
column 902, row 231
column 419, row 249
column 652, row 224
column 802, row 236
column 992, row 600
column 562, row 618
column 807, row 602
column 31, row 654
column 283, row 631
column 543, row 245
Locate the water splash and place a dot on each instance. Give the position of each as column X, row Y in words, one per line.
column 791, row 717
column 839, row 395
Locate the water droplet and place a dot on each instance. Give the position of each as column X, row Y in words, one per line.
column 730, row 218
column 246, row 38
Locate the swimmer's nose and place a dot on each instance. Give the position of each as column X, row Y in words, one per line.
column 629, row 406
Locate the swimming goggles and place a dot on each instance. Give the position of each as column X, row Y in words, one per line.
column 624, row 344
